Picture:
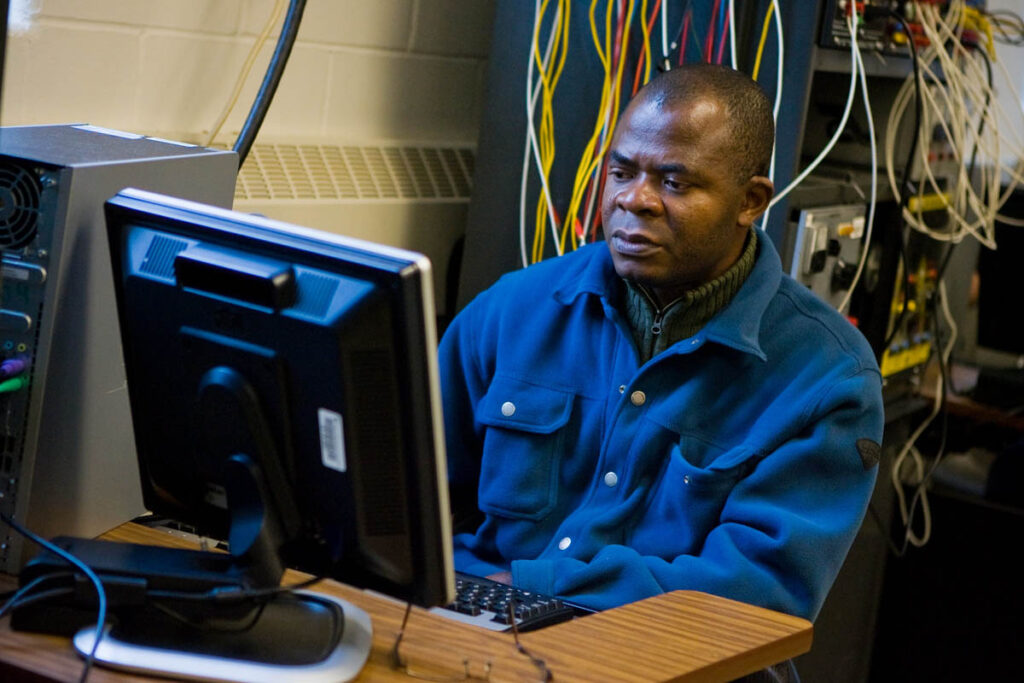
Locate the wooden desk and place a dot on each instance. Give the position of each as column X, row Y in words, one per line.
column 964, row 378
column 682, row 635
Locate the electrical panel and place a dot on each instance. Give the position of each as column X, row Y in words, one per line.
column 67, row 452
column 827, row 249
column 878, row 28
column 910, row 329
column 876, row 31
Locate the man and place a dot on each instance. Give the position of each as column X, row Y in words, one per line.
column 665, row 410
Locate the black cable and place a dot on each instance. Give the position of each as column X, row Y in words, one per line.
column 997, row 19
column 15, row 597
column 85, row 571
column 41, row 596
column 275, row 69
column 231, row 594
column 905, row 198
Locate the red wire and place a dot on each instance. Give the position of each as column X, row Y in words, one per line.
column 721, row 39
column 686, row 31
column 600, row 191
column 617, row 54
column 640, row 61
column 710, row 42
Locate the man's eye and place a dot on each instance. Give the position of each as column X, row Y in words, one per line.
column 674, row 184
column 618, row 173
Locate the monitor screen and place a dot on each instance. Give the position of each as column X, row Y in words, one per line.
column 283, row 384
column 1000, row 337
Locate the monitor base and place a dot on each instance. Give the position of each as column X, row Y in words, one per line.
column 221, row 658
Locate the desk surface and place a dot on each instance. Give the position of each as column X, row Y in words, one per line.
column 964, row 378
column 683, row 635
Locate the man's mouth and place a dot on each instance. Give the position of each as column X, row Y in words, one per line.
column 631, row 243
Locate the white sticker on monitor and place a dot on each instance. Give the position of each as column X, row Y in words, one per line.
column 332, row 440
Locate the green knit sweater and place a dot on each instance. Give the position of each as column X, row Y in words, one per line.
column 655, row 329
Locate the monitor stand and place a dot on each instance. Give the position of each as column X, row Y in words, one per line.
column 303, row 637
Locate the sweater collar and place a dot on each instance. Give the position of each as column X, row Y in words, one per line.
column 656, row 327
column 738, row 325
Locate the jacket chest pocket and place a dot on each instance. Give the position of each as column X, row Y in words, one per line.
column 523, row 443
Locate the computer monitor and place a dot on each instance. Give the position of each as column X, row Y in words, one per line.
column 284, row 395
column 999, row 342
column 1000, row 337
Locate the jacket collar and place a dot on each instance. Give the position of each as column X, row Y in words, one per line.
column 738, row 325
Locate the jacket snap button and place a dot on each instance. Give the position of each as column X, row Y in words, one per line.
column 508, row 408
column 638, row 398
column 564, row 543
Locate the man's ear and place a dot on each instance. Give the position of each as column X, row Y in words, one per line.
column 758, row 193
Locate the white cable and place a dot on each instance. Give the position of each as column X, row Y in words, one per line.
column 732, row 33
column 909, row 448
column 532, row 93
column 666, row 62
column 780, row 46
column 851, row 23
column 866, row 246
column 958, row 100
column 780, row 61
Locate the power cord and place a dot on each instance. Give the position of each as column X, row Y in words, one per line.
column 275, row 70
column 101, row 612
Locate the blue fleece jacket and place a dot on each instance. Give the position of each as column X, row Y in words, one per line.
column 738, row 462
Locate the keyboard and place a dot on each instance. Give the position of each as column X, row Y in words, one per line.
column 482, row 602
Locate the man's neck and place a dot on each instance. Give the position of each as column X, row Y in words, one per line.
column 657, row 324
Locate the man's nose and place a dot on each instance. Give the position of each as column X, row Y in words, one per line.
column 639, row 197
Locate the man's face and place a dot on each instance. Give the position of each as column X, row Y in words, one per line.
column 675, row 215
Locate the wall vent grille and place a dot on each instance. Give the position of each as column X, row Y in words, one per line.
column 346, row 172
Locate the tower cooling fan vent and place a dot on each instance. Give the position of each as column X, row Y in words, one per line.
column 19, row 205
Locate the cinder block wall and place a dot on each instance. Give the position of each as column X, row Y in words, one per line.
column 361, row 70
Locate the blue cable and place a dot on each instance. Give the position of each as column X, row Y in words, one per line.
column 101, row 617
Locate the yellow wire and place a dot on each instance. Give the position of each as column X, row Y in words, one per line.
column 604, row 54
column 538, row 233
column 599, row 125
column 764, row 36
column 590, row 162
column 250, row 59
column 549, row 75
column 647, row 41
column 596, row 38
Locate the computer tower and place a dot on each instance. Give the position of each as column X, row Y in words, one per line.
column 67, row 454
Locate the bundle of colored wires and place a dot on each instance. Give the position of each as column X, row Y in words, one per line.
column 613, row 57
column 542, row 144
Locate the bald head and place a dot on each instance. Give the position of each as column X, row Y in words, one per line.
column 748, row 109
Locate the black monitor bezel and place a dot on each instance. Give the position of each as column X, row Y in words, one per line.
column 408, row 271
